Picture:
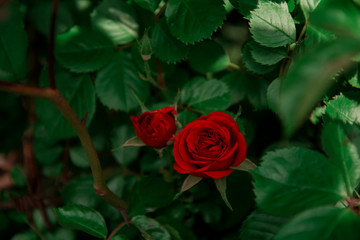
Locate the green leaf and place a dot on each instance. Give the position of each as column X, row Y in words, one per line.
column 40, row 15
column 216, row 59
column 182, row 232
column 322, row 223
column 166, row 46
column 46, row 150
column 30, row 235
column 353, row 76
column 308, row 6
column 343, row 15
column 343, row 108
column 221, row 186
column 146, row 197
column 189, row 22
column 61, row 234
column 13, row 44
column 150, row 5
column 119, row 136
column 343, row 153
column 272, row 25
column 18, row 177
column 206, row 95
column 261, row 226
column 82, row 218
column 186, row 117
column 78, row 91
column 288, row 181
column 267, row 55
column 150, row 229
column 80, row 191
column 316, row 35
column 246, row 165
column 82, row 49
column 114, row 81
column 244, row 6
column 78, row 156
column 251, row 64
column 310, row 77
column 117, row 20
column 273, row 94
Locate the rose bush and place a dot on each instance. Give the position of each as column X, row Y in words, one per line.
column 156, row 128
column 209, row 146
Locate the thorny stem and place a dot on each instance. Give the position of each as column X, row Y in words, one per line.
column 115, row 230
column 51, row 72
column 162, row 9
column 284, row 70
column 60, row 103
column 154, row 83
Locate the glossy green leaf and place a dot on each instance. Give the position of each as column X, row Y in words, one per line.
column 83, row 218
column 166, row 46
column 61, row 234
column 80, row 191
column 261, row 226
column 78, row 156
column 353, row 76
column 40, row 15
column 30, row 235
column 216, row 59
column 342, row 17
column 78, row 91
column 46, row 150
column 288, row 181
column 310, row 77
column 251, row 64
column 272, row 25
column 273, row 94
column 206, row 95
column 151, row 5
column 308, row 6
column 343, row 153
column 267, row 55
column 322, row 223
column 343, row 108
column 244, row 6
column 146, row 197
column 82, row 49
column 182, row 231
column 186, row 117
column 114, row 81
column 123, row 155
column 18, row 177
column 189, row 22
column 150, row 229
column 13, row 44
column 117, row 20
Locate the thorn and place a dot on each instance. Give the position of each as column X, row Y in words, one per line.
column 84, row 119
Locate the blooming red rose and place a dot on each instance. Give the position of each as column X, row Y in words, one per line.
column 209, row 146
column 156, row 128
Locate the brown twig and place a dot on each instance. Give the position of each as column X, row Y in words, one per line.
column 61, row 104
column 115, row 230
column 162, row 9
column 51, row 72
column 160, row 76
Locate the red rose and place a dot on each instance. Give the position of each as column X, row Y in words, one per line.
column 209, row 146
column 157, row 127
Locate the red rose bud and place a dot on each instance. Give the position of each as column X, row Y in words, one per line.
column 156, row 128
column 209, row 146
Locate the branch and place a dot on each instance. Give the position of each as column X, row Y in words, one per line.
column 60, row 103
